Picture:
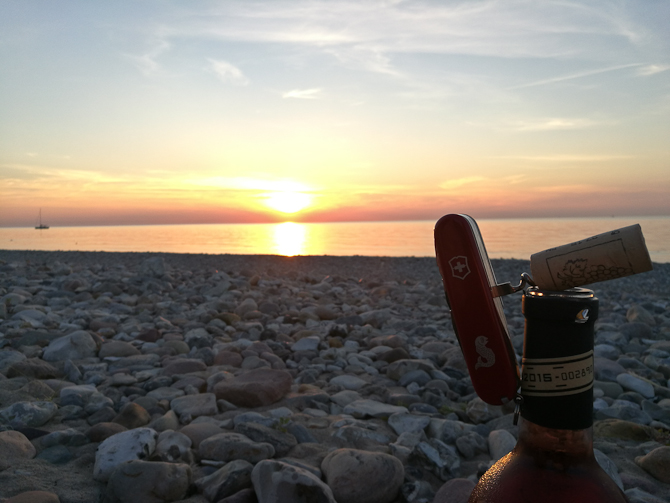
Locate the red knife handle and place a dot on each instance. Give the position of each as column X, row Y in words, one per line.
column 477, row 317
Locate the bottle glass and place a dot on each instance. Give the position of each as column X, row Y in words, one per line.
column 553, row 460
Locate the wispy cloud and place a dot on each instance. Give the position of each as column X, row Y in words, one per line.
column 564, row 158
column 575, row 76
column 250, row 184
column 374, row 30
column 460, row 182
column 228, row 73
column 553, row 124
column 652, row 69
column 303, row 94
column 147, row 63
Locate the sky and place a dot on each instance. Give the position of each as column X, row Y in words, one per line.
column 156, row 112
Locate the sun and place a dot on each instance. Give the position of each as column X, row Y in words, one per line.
column 288, row 201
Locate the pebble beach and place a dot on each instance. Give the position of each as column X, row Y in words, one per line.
column 147, row 377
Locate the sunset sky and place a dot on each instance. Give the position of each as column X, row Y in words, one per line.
column 137, row 112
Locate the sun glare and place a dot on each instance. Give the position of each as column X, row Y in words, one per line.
column 289, row 239
column 288, row 201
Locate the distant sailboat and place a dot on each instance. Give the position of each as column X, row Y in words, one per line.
column 40, row 225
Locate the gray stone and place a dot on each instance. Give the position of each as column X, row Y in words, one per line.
column 606, row 351
column 501, row 443
column 15, row 447
column 372, row 408
column 310, row 343
column 230, row 446
column 279, row 482
column 349, row 382
column 471, row 444
column 362, row 477
column 154, row 266
column 191, row 406
column 481, row 412
column 448, row 430
column 656, row 463
column 399, row 368
column 455, row 491
column 420, row 377
column 402, row 422
column 345, row 397
column 624, row 410
column 30, row 414
column 281, row 441
column 148, row 482
column 8, row 358
column 173, row 446
column 632, row 383
column 607, row 370
column 639, row 314
column 438, row 457
column 226, row 481
column 608, row 465
column 255, row 388
column 656, row 412
column 74, row 346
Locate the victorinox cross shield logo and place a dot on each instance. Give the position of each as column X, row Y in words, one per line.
column 459, row 267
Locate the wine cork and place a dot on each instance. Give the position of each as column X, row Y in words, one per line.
column 610, row 255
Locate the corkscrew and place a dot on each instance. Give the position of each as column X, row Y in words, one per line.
column 474, row 296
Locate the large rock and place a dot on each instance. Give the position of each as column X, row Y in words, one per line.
column 226, row 481
column 191, row 406
column 32, row 414
column 657, row 463
column 137, row 444
column 255, row 388
column 14, row 447
column 117, row 348
column 8, row 358
column 198, row 432
column 278, row 482
column 132, row 416
column 33, row 368
column 281, row 441
column 230, row 446
column 363, row 477
column 74, row 346
column 148, row 482
column 455, row 491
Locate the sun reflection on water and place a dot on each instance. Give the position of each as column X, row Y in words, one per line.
column 289, row 239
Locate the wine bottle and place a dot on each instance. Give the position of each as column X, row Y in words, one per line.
column 553, row 460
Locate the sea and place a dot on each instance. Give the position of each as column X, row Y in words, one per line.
column 504, row 238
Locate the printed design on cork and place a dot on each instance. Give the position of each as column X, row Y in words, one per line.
column 580, row 272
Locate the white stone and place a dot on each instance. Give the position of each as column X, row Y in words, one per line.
column 632, row 383
column 130, row 445
column 74, row 346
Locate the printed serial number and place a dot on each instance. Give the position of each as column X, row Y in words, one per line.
column 570, row 375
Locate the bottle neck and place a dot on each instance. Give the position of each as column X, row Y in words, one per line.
column 558, row 366
column 555, row 443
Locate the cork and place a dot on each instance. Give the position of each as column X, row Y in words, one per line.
column 610, row 255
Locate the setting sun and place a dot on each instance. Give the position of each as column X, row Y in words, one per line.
column 288, row 201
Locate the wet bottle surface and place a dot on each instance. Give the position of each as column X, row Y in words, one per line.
column 553, row 461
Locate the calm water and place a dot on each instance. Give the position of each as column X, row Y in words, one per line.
column 506, row 238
